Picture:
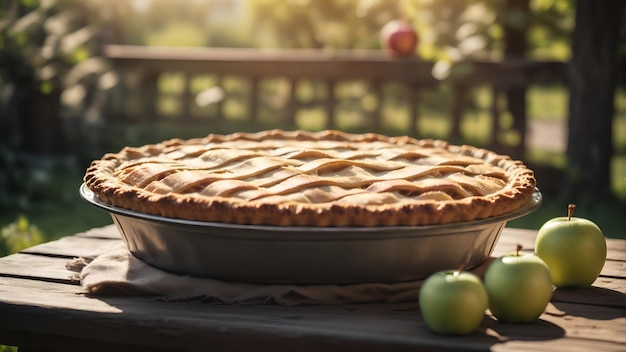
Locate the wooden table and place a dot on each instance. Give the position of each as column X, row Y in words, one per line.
column 41, row 308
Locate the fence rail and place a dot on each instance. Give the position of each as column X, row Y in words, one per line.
column 142, row 68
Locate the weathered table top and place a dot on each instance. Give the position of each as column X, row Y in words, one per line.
column 41, row 308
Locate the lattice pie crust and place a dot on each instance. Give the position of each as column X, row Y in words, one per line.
column 328, row 178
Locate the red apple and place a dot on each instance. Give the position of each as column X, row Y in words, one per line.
column 399, row 38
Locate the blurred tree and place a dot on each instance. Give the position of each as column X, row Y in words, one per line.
column 346, row 24
column 20, row 94
column 154, row 20
column 170, row 23
column 21, row 38
column 49, row 49
column 53, row 88
column 593, row 73
column 549, row 29
column 515, row 27
column 450, row 31
column 55, row 44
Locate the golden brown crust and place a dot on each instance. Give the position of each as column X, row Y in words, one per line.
column 299, row 178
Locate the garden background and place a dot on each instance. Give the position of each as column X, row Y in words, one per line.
column 52, row 64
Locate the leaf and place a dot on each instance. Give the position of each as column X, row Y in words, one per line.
column 466, row 30
column 19, row 235
column 74, row 40
column 49, row 71
column 441, row 69
column 89, row 68
column 46, row 87
column 473, row 44
column 26, row 22
column 22, row 224
column 61, row 23
column 73, row 96
column 50, row 48
column 108, row 80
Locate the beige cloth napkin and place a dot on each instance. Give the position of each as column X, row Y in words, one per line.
column 115, row 271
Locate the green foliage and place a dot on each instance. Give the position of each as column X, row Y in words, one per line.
column 16, row 78
column 48, row 61
column 19, row 235
column 450, row 32
column 447, row 29
column 321, row 24
column 51, row 48
column 176, row 34
column 56, row 208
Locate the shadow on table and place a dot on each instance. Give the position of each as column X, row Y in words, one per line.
column 602, row 302
column 537, row 331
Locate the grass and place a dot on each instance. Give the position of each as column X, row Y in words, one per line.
column 64, row 213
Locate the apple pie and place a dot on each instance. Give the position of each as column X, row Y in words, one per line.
column 299, row 178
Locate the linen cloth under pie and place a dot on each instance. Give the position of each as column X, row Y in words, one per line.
column 113, row 270
column 299, row 178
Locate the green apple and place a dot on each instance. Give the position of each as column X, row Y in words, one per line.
column 573, row 248
column 519, row 287
column 453, row 302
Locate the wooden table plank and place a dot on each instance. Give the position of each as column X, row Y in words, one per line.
column 614, row 268
column 44, row 268
column 71, row 247
column 52, row 269
column 109, row 231
column 50, row 259
column 36, row 297
column 184, row 325
column 606, row 292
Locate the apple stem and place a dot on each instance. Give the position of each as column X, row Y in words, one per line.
column 517, row 249
column 570, row 211
column 461, row 268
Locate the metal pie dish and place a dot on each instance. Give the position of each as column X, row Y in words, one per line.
column 307, row 255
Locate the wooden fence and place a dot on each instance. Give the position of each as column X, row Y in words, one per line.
column 142, row 68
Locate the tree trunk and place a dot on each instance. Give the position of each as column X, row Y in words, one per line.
column 40, row 123
column 516, row 46
column 593, row 71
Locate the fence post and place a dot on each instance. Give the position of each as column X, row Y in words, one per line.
column 459, row 91
column 186, row 98
column 496, row 131
column 253, row 107
column 329, row 104
column 413, row 108
column 150, row 96
column 292, row 104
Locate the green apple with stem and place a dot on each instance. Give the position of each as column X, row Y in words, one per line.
column 519, row 287
column 453, row 302
column 574, row 249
